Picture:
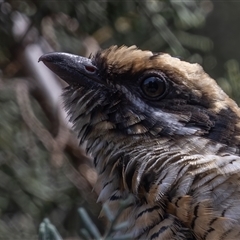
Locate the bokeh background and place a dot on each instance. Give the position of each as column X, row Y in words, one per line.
column 43, row 172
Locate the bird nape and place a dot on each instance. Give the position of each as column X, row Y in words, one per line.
column 162, row 130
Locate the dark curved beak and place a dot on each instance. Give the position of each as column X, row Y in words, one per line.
column 71, row 68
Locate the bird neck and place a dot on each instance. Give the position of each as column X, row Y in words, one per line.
column 130, row 166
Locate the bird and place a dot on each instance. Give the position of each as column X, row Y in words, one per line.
column 162, row 130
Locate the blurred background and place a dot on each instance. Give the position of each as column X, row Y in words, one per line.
column 43, row 172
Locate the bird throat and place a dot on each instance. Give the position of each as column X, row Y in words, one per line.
column 129, row 162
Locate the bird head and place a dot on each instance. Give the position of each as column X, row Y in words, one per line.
column 127, row 93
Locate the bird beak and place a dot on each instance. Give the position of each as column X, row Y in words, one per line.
column 71, row 68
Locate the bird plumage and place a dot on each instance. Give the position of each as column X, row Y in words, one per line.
column 161, row 129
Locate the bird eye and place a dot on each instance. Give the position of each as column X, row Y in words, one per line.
column 153, row 87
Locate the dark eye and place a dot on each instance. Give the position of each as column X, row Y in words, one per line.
column 153, row 87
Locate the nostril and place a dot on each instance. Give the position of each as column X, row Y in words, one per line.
column 90, row 69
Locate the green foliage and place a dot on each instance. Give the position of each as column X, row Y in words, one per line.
column 31, row 186
column 47, row 231
column 154, row 25
column 230, row 83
